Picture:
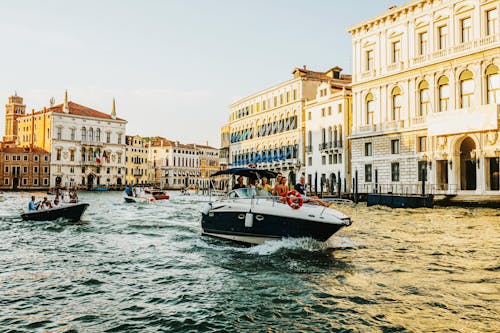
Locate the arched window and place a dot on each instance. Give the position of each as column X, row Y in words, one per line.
column 309, row 138
column 340, row 136
column 492, row 85
column 84, row 134
column 370, row 109
column 443, row 93
column 323, row 135
column 423, row 99
column 396, row 103
column 335, row 137
column 83, row 155
column 466, row 89
column 91, row 134
column 330, row 134
column 98, row 135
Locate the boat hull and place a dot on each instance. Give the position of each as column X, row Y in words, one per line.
column 235, row 226
column 71, row 213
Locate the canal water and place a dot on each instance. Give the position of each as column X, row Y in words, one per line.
column 146, row 268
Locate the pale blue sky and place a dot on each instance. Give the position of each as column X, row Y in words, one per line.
column 173, row 66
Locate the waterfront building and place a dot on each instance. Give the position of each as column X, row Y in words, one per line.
column 24, row 168
column 328, row 118
column 225, row 137
column 136, row 161
column 267, row 128
column 426, row 97
column 87, row 146
column 177, row 165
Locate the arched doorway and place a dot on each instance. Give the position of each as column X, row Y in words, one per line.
column 467, row 165
column 90, row 181
column 58, row 181
column 119, row 182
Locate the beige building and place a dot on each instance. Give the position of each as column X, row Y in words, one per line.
column 136, row 161
column 328, row 123
column 268, row 128
column 426, row 97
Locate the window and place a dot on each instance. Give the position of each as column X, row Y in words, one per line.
column 322, row 112
column 368, row 149
column 443, row 93
column 395, row 172
column 491, row 22
column 45, row 169
column 368, row 173
column 119, row 138
column 35, row 169
column 422, row 167
column 275, row 100
column 6, row 181
column 294, row 94
column 35, row 181
column 84, row 134
column 323, row 160
column 25, row 157
column 396, row 103
column 35, row 158
column 25, row 181
column 340, row 108
column 423, row 97
column 466, row 89
column 45, row 181
column 395, row 146
column 309, row 116
column 25, row 169
column 72, row 155
column 330, row 159
column 396, row 52
column 73, row 134
column 281, row 99
column 98, row 135
column 421, row 144
column 6, row 169
column 108, row 137
column 369, row 60
column 287, row 97
column 6, row 157
column 46, row 158
column 59, row 133
column 309, row 161
column 493, row 85
column 443, row 37
column 370, row 109
column 72, row 170
column 329, row 110
column 108, row 170
column 466, row 30
column 58, row 154
column 422, row 43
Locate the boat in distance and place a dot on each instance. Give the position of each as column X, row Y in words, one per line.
column 253, row 216
column 71, row 212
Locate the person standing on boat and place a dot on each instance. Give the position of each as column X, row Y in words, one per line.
column 301, row 187
column 128, row 191
column 239, row 184
column 32, row 206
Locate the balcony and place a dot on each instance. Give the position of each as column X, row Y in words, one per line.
column 323, row 146
column 137, row 173
column 367, row 128
column 419, row 121
column 368, row 74
column 91, row 143
column 393, row 125
column 395, row 66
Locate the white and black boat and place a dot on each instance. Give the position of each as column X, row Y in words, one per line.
column 71, row 212
column 253, row 216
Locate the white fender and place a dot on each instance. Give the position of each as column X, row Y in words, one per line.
column 249, row 220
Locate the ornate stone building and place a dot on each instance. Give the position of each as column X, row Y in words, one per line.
column 268, row 128
column 87, row 146
column 426, row 96
column 328, row 118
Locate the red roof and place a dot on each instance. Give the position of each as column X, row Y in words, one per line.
column 23, row 150
column 81, row 110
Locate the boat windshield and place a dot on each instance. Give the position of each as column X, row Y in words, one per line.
column 248, row 193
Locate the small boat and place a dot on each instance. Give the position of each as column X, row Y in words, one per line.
column 72, row 212
column 153, row 195
column 132, row 199
column 253, row 216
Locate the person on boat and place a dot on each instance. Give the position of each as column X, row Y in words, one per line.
column 239, row 184
column 73, row 198
column 301, row 187
column 45, row 204
column 128, row 191
column 281, row 189
column 56, row 203
column 264, row 185
column 32, row 206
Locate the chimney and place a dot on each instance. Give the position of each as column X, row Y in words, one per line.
column 305, row 67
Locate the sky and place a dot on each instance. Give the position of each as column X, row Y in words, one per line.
column 174, row 67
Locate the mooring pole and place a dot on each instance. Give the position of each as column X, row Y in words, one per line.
column 356, row 187
column 376, row 181
column 422, row 172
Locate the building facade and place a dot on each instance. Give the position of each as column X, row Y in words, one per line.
column 177, row 165
column 225, row 137
column 25, row 168
column 328, row 118
column 426, row 97
column 137, row 170
column 267, row 129
column 87, row 146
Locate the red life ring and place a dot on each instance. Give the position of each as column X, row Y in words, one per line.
column 151, row 199
column 294, row 199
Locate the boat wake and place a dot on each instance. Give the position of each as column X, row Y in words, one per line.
column 302, row 244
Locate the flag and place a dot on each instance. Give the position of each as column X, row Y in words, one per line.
column 97, row 156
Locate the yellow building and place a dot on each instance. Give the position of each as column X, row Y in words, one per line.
column 136, row 161
column 426, row 97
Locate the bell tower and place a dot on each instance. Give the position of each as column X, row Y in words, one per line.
column 13, row 110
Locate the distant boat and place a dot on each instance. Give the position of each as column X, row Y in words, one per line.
column 100, row 189
column 1, row 196
column 72, row 212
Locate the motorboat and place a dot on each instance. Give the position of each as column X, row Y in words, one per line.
column 70, row 212
column 154, row 195
column 133, row 198
column 253, row 216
